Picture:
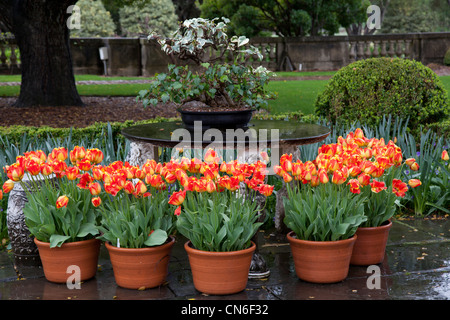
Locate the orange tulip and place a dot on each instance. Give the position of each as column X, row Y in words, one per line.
column 399, row 188
column 364, row 179
column 323, row 176
column 265, row 156
column 170, row 178
column 377, row 186
column 94, row 155
column 177, row 198
column 129, row 187
column 177, row 211
column 78, row 153
column 46, row 169
column 84, row 165
column 211, row 156
column 84, row 181
column 266, row 190
column 96, row 201
column 97, row 173
column 287, row 165
column 140, row 174
column 8, row 185
column 58, row 154
column 94, row 188
column 354, row 186
column 112, row 189
column 444, row 155
column 287, row 178
column 58, row 167
column 140, row 188
column 285, row 157
column 1, row 195
column 314, row 181
column 72, row 173
column 414, row 183
column 354, row 171
column 210, row 186
column 410, row 161
column 38, row 154
column 33, row 166
column 338, row 177
column 414, row 166
column 15, row 172
column 62, row 201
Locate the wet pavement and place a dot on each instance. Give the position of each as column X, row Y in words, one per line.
column 416, row 267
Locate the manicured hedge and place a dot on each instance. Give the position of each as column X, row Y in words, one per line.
column 367, row 90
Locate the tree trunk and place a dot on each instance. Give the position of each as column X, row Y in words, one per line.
column 42, row 35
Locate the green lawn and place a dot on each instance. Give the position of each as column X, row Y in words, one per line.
column 293, row 95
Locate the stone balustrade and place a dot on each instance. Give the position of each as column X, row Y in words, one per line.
column 9, row 61
column 140, row 57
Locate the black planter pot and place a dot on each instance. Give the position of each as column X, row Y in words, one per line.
column 216, row 119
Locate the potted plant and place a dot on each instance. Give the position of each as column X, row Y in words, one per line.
column 323, row 213
column 217, row 85
column 219, row 221
column 58, row 213
column 136, row 222
column 380, row 172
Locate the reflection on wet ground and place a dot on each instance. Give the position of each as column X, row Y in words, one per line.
column 416, row 266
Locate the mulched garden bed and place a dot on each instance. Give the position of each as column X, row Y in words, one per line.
column 97, row 109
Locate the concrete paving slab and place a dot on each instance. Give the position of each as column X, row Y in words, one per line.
column 416, row 266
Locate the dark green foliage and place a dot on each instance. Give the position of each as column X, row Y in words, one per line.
column 369, row 89
column 447, row 58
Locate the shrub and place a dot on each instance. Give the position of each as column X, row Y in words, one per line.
column 368, row 89
column 95, row 20
column 155, row 15
column 447, row 58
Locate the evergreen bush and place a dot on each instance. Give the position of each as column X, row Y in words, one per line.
column 369, row 89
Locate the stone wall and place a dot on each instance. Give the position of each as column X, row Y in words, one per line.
column 140, row 57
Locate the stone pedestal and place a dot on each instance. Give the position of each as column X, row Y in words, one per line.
column 25, row 251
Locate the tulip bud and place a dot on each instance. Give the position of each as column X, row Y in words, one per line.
column 177, row 198
column 95, row 188
column 414, row 183
column 62, row 201
column 410, row 161
column 445, row 156
column 414, row 166
column 8, row 185
column 140, row 187
column 96, row 201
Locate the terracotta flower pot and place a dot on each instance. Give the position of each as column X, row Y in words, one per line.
column 220, row 273
column 321, row 261
column 142, row 267
column 55, row 261
column 371, row 245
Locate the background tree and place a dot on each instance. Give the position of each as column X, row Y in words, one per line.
column 41, row 32
column 405, row 16
column 154, row 15
column 186, row 9
column 96, row 21
column 287, row 18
